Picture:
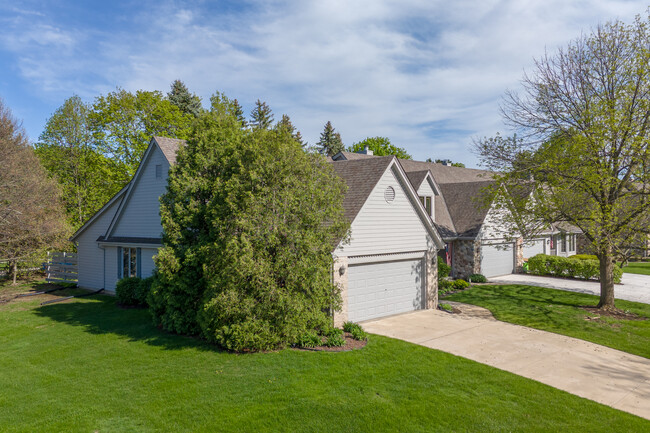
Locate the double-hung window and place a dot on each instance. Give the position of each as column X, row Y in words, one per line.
column 426, row 202
column 128, row 262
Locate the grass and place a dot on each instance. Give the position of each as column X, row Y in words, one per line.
column 559, row 311
column 86, row 365
column 642, row 268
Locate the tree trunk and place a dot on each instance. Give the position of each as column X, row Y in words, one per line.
column 606, row 280
column 14, row 271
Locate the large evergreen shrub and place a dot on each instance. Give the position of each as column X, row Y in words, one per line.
column 250, row 221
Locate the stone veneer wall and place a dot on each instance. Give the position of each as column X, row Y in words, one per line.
column 466, row 258
column 583, row 246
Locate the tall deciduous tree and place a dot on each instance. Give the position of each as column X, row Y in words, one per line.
column 583, row 120
column 249, row 222
column 187, row 102
column 66, row 150
column 261, row 116
column 330, row 142
column 124, row 122
column 380, row 146
column 31, row 216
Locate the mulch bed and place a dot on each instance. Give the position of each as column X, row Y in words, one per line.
column 614, row 314
column 350, row 344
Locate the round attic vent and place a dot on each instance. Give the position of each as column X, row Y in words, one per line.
column 389, row 194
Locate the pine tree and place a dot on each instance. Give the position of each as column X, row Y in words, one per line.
column 261, row 116
column 286, row 125
column 181, row 97
column 238, row 111
column 330, row 141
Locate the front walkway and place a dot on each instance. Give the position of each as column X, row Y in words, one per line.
column 634, row 287
column 605, row 375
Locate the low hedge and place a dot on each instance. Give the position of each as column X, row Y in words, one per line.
column 582, row 268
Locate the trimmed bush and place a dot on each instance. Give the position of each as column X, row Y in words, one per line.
column 477, row 278
column 443, row 269
column 460, row 284
column 445, row 286
column 570, row 267
column 134, row 291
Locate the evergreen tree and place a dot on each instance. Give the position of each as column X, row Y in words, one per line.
column 261, row 116
column 238, row 111
column 330, row 141
column 287, row 126
column 181, row 97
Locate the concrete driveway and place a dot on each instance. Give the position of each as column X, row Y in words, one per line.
column 633, row 287
column 605, row 375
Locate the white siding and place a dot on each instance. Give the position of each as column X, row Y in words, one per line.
column 90, row 255
column 426, row 190
column 147, row 266
column 494, row 227
column 381, row 227
column 141, row 214
column 111, row 268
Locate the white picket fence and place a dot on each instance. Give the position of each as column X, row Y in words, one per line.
column 61, row 268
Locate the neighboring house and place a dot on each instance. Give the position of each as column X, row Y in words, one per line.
column 475, row 237
column 387, row 267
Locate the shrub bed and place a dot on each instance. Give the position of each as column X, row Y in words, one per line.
column 583, row 268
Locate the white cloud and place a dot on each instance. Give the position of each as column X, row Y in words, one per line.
column 427, row 74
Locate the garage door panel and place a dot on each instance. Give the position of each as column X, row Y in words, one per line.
column 385, row 288
column 534, row 247
column 497, row 259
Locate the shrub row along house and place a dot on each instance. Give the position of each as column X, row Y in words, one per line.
column 403, row 213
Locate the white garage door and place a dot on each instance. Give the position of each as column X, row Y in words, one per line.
column 533, row 247
column 497, row 259
column 381, row 289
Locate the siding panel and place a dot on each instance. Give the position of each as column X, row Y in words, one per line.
column 381, row 227
column 90, row 255
column 141, row 215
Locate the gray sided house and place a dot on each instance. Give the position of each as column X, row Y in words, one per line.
column 473, row 229
column 387, row 266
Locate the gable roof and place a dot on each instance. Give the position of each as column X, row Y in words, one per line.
column 352, row 156
column 361, row 176
column 169, row 147
column 465, row 207
column 447, row 173
column 118, row 196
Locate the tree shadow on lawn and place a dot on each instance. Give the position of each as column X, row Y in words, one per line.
column 100, row 315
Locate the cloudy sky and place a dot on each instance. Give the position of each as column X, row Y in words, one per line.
column 427, row 74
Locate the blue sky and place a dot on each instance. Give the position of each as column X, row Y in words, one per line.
column 427, row 74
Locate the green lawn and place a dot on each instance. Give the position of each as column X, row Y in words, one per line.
column 642, row 268
column 88, row 366
column 558, row 311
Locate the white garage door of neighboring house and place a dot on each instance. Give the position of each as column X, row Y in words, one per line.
column 497, row 259
column 384, row 288
column 533, row 247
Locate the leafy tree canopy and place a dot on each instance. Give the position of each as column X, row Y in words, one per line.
column 66, row 149
column 447, row 162
column 380, row 146
column 124, row 122
column 249, row 223
column 582, row 148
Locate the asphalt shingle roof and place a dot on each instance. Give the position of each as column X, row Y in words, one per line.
column 361, row 176
column 169, row 147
